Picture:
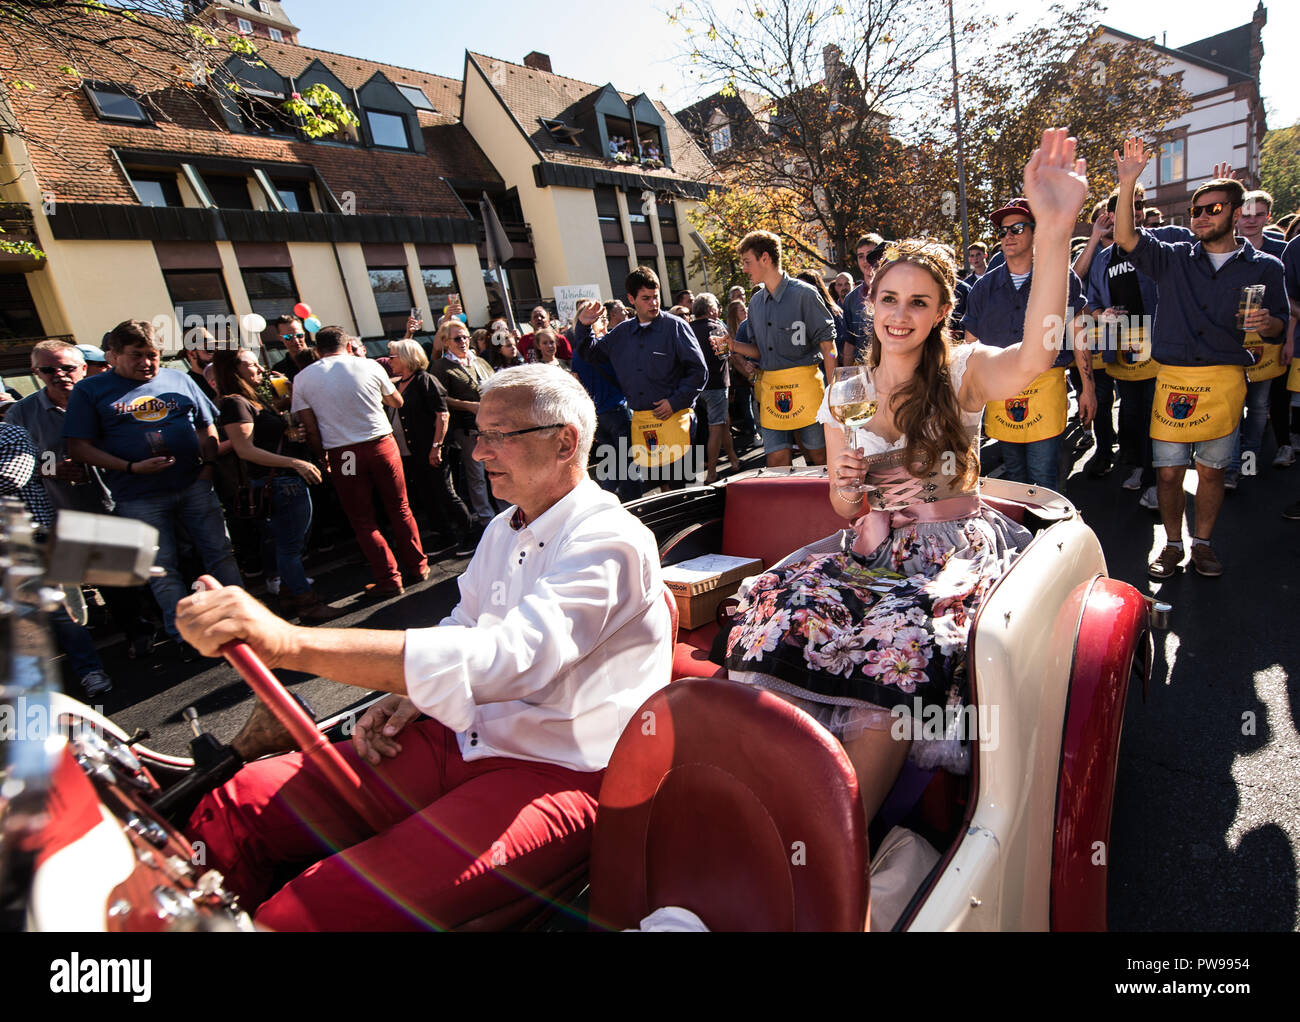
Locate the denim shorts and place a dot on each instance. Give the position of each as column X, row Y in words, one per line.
column 715, row 406
column 1210, row 453
column 812, row 437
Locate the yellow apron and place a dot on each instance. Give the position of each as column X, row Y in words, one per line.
column 1038, row 412
column 1293, row 379
column 658, row 442
column 790, row 398
column 1196, row 403
column 1268, row 359
column 1133, row 359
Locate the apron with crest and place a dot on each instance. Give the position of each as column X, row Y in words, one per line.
column 1197, row 403
column 789, row 398
column 1038, row 412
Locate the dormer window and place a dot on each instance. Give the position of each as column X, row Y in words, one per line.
column 564, row 134
column 416, row 97
column 388, row 130
column 245, row 26
column 721, row 138
column 115, row 103
column 276, row 35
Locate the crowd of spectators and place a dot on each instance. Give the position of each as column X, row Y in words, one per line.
column 286, row 461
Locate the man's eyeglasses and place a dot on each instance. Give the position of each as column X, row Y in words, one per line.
column 51, row 370
column 1016, row 229
column 1212, row 208
column 492, row 437
column 293, row 337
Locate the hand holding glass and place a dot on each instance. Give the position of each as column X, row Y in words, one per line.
column 852, row 402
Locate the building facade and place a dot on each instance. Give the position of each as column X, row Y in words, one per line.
column 149, row 200
column 1226, row 122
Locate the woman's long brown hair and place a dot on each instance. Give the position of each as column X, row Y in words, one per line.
column 925, row 408
column 225, row 368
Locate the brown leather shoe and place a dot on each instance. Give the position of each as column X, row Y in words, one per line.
column 1204, row 561
column 384, row 591
column 312, row 610
column 1167, row 564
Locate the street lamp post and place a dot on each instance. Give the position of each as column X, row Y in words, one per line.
column 961, row 159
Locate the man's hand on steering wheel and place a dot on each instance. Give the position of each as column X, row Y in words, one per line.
column 207, row 620
column 376, row 731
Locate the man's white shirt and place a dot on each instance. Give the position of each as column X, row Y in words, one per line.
column 346, row 394
column 561, row 633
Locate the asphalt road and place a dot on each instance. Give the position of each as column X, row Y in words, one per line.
column 1206, row 826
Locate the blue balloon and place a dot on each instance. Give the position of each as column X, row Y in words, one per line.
column 312, row 324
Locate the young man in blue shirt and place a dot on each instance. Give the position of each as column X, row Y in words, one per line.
column 792, row 335
column 153, row 432
column 1030, row 426
column 1200, row 347
column 658, row 366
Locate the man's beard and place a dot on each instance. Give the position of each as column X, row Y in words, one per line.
column 1217, row 236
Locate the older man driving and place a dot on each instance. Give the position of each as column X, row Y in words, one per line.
column 561, row 632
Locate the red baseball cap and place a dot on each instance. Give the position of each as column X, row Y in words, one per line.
column 1020, row 206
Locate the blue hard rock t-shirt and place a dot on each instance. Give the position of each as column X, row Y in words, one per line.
column 118, row 415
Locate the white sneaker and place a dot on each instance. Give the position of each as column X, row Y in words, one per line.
column 1134, row 480
column 273, row 586
column 1285, row 457
column 1149, row 500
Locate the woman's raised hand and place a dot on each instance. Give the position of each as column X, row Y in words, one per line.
column 1056, row 183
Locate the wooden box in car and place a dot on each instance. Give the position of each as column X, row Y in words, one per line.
column 702, row 583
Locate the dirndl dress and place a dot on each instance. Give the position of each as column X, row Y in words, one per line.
column 860, row 633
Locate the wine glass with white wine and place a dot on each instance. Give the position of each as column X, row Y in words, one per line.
column 852, row 403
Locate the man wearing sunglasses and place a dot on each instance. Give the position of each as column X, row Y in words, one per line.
column 561, row 632
column 1200, row 347
column 1030, row 426
column 289, row 331
column 1114, row 284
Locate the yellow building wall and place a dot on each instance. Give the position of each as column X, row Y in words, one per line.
column 98, row 284
column 509, row 152
column 319, row 285
column 582, row 249
column 357, row 278
column 473, row 292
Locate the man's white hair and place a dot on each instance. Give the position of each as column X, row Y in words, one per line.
column 556, row 397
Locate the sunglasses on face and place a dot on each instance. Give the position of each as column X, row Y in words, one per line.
column 1016, row 229
column 291, row 337
column 1211, row 208
column 51, row 370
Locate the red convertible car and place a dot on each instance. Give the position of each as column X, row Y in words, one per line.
column 734, row 804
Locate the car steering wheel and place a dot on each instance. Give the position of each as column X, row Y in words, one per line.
column 302, row 729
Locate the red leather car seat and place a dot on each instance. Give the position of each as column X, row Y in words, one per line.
column 731, row 802
column 772, row 516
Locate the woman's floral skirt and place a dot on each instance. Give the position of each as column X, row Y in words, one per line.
column 888, row 630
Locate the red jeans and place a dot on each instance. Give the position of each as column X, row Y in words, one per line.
column 465, row 838
column 375, row 467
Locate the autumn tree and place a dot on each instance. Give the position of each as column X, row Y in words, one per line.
column 177, row 66
column 1280, row 169
column 1059, row 72
column 834, row 82
column 729, row 213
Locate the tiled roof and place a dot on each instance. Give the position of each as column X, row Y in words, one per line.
column 70, row 147
column 1230, row 48
column 530, row 94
